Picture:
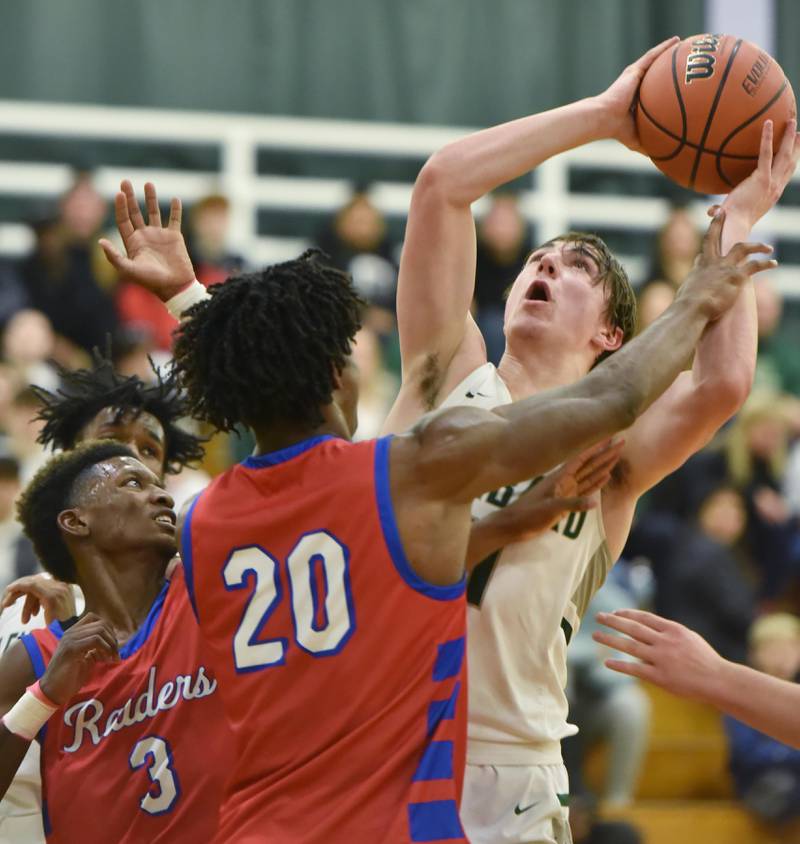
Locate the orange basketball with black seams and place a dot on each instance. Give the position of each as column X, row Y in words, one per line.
column 701, row 108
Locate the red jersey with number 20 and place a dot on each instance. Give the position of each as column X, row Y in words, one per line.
column 141, row 753
column 341, row 671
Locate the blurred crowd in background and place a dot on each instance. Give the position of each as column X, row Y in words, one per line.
column 716, row 546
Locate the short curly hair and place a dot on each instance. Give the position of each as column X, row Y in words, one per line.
column 53, row 489
column 266, row 347
column 85, row 392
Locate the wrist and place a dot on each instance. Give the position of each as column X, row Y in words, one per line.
column 44, row 691
column 715, row 682
column 189, row 295
column 601, row 119
column 30, row 713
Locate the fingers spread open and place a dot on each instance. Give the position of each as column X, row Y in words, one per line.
column 740, row 251
column 122, row 216
column 712, row 239
column 134, row 212
column 175, row 212
column 628, row 626
column 151, row 201
column 753, row 267
column 648, row 619
column 632, row 669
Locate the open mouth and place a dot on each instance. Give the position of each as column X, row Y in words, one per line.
column 165, row 517
column 539, row 291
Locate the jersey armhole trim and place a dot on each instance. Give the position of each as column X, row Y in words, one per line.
column 391, row 534
column 34, row 654
column 186, row 554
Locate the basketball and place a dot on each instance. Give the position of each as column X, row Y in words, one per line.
column 701, row 108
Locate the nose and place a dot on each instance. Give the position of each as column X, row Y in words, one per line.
column 548, row 264
column 161, row 497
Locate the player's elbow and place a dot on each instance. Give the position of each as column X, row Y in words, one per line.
column 438, row 179
column 728, row 392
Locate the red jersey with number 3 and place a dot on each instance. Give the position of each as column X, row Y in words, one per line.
column 140, row 755
column 341, row 671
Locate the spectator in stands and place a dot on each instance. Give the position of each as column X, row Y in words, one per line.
column 778, row 365
column 61, row 275
column 13, row 297
column 756, row 448
column 766, row 771
column 22, row 430
column 17, row 558
column 654, row 298
column 677, row 245
column 207, row 240
column 605, row 706
column 700, row 580
column 503, row 244
column 357, row 241
column 377, row 387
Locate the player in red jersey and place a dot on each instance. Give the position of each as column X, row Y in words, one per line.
column 92, row 403
column 328, row 575
column 122, row 695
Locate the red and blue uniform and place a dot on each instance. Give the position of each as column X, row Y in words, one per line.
column 140, row 755
column 341, row 671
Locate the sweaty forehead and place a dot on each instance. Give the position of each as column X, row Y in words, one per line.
column 104, row 474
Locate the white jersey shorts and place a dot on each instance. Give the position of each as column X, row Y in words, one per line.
column 516, row 804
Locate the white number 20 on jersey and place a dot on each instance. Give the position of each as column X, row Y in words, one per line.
column 322, row 623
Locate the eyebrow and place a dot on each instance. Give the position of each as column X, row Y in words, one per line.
column 150, row 477
column 583, row 249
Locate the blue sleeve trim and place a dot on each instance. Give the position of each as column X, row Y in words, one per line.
column 186, row 555
column 391, row 535
column 35, row 655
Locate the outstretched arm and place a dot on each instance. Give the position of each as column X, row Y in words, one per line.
column 680, row 661
column 439, row 341
column 700, row 401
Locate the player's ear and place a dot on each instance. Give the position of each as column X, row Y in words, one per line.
column 71, row 522
column 607, row 339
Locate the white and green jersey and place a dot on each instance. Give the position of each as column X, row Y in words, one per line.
column 524, row 605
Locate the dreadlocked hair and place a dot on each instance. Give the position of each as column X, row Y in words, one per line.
column 53, row 489
column 267, row 347
column 85, row 392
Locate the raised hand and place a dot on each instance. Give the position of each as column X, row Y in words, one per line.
column 670, row 655
column 754, row 196
column 619, row 99
column 156, row 257
column 87, row 642
column 567, row 490
column 39, row 591
column 717, row 279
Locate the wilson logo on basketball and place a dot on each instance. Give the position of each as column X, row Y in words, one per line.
column 756, row 75
column 701, row 59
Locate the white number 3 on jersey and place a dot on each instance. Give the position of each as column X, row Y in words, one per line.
column 156, row 754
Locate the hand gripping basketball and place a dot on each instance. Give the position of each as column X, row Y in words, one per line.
column 716, row 279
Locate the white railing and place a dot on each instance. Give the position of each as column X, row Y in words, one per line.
column 547, row 203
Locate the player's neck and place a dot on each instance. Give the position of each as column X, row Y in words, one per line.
column 278, row 437
column 122, row 590
column 527, row 376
